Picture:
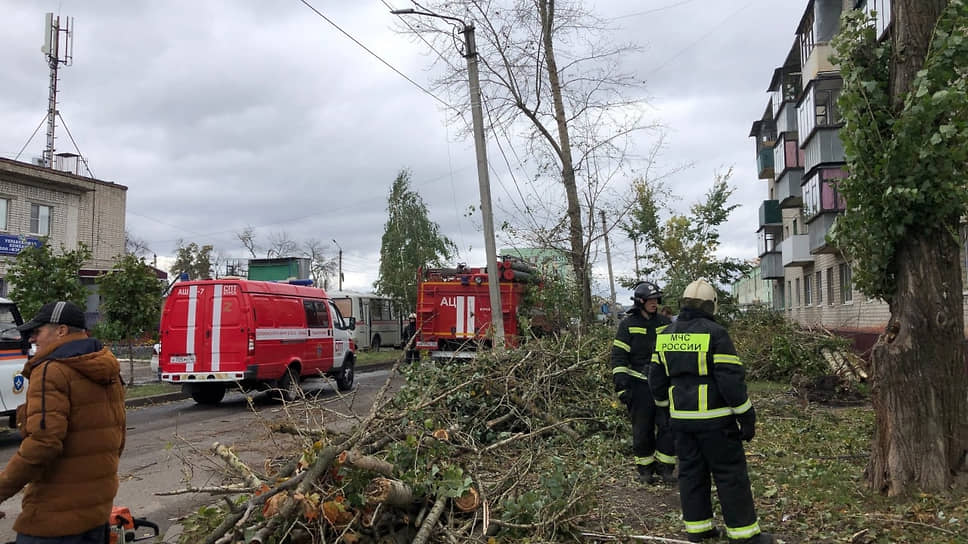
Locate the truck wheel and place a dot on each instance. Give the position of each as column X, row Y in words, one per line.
column 208, row 394
column 376, row 342
column 344, row 380
column 287, row 388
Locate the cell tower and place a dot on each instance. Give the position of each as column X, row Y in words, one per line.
column 58, row 52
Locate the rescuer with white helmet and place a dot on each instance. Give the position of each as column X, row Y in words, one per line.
column 409, row 341
column 652, row 447
column 696, row 373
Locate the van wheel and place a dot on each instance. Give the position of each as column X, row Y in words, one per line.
column 287, row 388
column 208, row 394
column 344, row 380
column 375, row 343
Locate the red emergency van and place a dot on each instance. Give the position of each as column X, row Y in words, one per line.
column 237, row 333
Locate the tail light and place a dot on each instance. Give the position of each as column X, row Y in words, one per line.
column 251, row 346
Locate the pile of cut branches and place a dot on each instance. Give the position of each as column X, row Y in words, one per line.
column 505, row 445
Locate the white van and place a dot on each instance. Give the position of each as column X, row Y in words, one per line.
column 13, row 356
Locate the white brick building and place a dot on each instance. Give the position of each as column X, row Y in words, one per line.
column 38, row 203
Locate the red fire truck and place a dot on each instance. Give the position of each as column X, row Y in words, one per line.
column 454, row 307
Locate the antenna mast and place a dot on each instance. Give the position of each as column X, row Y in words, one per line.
column 56, row 55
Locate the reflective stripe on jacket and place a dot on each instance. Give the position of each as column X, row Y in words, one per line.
column 633, row 346
column 696, row 373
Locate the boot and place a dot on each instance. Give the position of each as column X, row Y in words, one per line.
column 666, row 472
column 699, row 537
column 646, row 473
column 762, row 538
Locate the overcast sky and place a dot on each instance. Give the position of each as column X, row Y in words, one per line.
column 219, row 115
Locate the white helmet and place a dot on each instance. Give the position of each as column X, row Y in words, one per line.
column 701, row 296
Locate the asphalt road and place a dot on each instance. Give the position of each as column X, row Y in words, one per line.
column 167, row 445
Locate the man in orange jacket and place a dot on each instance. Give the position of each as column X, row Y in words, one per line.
column 73, row 424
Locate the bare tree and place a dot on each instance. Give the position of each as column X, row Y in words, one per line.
column 247, row 237
column 321, row 268
column 569, row 114
column 134, row 245
column 281, row 245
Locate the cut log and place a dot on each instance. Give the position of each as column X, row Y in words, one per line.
column 355, row 459
column 469, row 501
column 386, row 491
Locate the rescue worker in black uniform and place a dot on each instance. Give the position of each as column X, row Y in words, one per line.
column 409, row 342
column 695, row 362
column 632, row 348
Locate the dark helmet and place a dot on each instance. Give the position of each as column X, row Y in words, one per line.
column 644, row 291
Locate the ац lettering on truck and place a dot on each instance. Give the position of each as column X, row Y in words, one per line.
column 454, row 307
column 240, row 334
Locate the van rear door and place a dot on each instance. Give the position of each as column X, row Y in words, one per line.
column 204, row 329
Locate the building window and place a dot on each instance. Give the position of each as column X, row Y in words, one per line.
column 806, row 38
column 807, row 295
column 797, row 291
column 846, row 292
column 819, row 288
column 830, row 285
column 40, row 219
column 788, row 297
column 4, row 205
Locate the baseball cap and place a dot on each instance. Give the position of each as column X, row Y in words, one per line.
column 58, row 313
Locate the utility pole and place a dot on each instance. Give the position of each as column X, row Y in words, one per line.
column 480, row 146
column 340, row 280
column 612, row 310
column 52, row 50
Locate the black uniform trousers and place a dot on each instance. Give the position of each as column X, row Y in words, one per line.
column 646, row 439
column 720, row 453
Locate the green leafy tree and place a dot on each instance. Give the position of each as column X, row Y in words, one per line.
column 130, row 300
column 39, row 276
column 683, row 248
column 195, row 260
column 905, row 110
column 410, row 241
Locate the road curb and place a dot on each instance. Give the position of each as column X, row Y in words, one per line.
column 178, row 395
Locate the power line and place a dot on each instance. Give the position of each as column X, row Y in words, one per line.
column 700, row 38
column 654, row 10
column 378, row 57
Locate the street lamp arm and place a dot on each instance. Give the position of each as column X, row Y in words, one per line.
column 411, row 11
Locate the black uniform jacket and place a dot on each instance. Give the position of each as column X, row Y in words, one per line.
column 633, row 346
column 696, row 373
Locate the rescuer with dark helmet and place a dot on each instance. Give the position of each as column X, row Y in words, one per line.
column 632, row 348
column 695, row 362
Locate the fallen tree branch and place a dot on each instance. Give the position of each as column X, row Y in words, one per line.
column 231, row 489
column 236, row 464
column 427, row 527
column 640, row 538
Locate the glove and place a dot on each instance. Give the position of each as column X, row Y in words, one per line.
column 747, row 424
column 624, row 397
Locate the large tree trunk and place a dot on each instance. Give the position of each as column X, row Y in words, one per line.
column 920, row 379
column 575, row 230
column 919, row 369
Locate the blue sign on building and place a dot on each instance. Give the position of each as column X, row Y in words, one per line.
column 12, row 245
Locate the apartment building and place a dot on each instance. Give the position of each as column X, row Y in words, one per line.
column 800, row 156
column 40, row 204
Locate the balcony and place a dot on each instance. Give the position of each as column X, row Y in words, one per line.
column 771, row 266
column 764, row 163
column 788, row 190
column 770, row 215
column 786, row 117
column 824, row 147
column 820, row 225
column 796, row 251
